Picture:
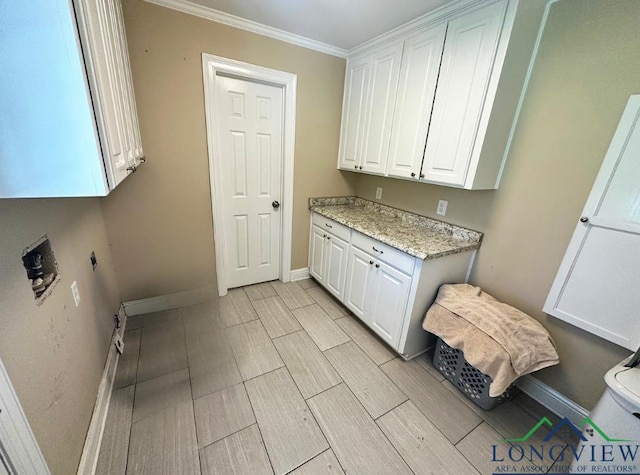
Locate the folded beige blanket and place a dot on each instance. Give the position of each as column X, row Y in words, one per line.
column 497, row 339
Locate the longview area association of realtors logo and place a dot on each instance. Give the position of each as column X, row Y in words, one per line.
column 593, row 453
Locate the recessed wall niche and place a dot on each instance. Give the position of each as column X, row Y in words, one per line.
column 42, row 268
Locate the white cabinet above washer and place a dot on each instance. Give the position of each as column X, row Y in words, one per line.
column 69, row 125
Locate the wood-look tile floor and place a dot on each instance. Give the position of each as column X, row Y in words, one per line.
column 280, row 378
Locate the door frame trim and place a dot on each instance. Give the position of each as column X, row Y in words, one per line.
column 211, row 67
column 17, row 441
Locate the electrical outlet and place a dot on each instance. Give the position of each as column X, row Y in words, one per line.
column 378, row 193
column 119, row 344
column 75, row 292
column 442, row 207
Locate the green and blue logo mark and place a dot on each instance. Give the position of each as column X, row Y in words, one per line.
column 596, row 452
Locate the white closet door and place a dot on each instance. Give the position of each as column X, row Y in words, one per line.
column 385, row 68
column 466, row 67
column 597, row 285
column 416, row 90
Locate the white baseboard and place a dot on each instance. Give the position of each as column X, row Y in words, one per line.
column 300, row 274
column 93, row 441
column 551, row 399
column 168, row 302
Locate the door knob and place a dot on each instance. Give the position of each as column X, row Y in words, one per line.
column 275, row 205
column 584, row 219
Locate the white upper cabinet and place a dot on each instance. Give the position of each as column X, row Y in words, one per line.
column 104, row 43
column 465, row 71
column 354, row 113
column 369, row 101
column 448, row 118
column 416, row 90
column 385, row 67
column 73, row 119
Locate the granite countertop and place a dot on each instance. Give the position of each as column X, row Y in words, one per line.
column 419, row 236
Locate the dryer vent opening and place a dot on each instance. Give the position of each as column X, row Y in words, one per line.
column 42, row 268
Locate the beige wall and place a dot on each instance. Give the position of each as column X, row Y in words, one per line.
column 588, row 65
column 160, row 226
column 55, row 353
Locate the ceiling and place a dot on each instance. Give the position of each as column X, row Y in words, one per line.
column 339, row 23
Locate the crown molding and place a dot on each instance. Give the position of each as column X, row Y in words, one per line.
column 212, row 14
column 440, row 14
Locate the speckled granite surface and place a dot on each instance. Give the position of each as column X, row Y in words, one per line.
column 416, row 235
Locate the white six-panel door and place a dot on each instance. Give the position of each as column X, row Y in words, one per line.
column 250, row 122
column 597, row 287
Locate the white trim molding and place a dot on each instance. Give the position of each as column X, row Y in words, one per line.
column 93, row 441
column 525, row 87
column 438, row 15
column 556, row 402
column 218, row 16
column 211, row 67
column 19, row 450
column 300, row 274
column 168, row 302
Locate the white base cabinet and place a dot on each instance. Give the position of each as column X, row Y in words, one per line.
column 328, row 254
column 387, row 298
column 389, row 290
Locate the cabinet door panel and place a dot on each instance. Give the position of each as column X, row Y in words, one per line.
column 388, row 301
column 134, row 143
column 416, row 90
column 335, row 265
column 467, row 62
column 385, row 67
column 316, row 254
column 354, row 113
column 359, row 272
column 107, row 64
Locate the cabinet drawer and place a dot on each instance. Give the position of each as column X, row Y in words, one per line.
column 385, row 253
column 331, row 226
